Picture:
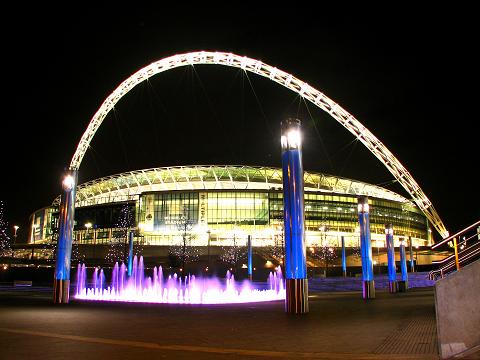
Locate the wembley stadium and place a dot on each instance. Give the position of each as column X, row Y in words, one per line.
column 221, row 205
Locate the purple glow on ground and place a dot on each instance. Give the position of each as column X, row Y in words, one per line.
column 174, row 289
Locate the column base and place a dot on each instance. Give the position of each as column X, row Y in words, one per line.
column 402, row 286
column 344, row 272
column 61, row 291
column 296, row 301
column 369, row 289
column 392, row 287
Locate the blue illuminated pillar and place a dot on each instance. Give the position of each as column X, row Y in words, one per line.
column 130, row 253
column 296, row 301
column 249, row 257
column 403, row 284
column 410, row 247
column 61, row 281
column 344, row 258
column 366, row 248
column 392, row 270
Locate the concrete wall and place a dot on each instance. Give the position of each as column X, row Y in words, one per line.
column 457, row 306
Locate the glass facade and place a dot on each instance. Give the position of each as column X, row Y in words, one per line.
column 261, row 213
column 230, row 209
column 100, row 217
column 170, row 210
column 224, row 214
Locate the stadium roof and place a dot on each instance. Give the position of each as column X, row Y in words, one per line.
column 128, row 185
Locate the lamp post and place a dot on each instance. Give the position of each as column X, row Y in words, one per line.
column 208, row 247
column 61, row 287
column 249, row 257
column 378, row 256
column 15, row 228
column 403, row 284
column 416, row 257
column 33, row 239
column 88, row 226
column 368, row 282
column 296, row 301
column 130, row 252
column 392, row 270
column 410, row 248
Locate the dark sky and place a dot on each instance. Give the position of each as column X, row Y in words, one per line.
column 406, row 73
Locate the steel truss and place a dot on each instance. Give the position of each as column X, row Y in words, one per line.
column 127, row 186
column 285, row 79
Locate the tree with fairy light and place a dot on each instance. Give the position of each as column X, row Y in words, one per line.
column 77, row 256
column 277, row 250
column 184, row 252
column 356, row 251
column 231, row 255
column 5, row 241
column 48, row 250
column 323, row 251
column 116, row 250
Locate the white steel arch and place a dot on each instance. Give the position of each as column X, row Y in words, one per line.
column 287, row 80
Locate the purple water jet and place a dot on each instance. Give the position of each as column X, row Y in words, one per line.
column 190, row 290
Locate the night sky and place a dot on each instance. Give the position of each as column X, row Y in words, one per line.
column 407, row 74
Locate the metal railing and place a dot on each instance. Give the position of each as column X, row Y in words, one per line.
column 465, row 252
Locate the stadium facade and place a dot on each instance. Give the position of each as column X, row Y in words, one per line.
column 223, row 204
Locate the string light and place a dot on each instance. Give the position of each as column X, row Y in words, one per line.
column 117, row 248
column 184, row 252
column 5, row 241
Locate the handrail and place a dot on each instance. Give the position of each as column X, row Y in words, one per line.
column 434, row 274
column 464, row 242
column 461, row 257
column 455, row 235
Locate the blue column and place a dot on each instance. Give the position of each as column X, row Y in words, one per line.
column 130, row 253
column 296, row 301
column 344, row 258
column 392, row 270
column 366, row 248
column 249, row 257
column 410, row 247
column 61, row 284
column 403, row 284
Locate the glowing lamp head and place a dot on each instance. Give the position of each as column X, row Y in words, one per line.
column 291, row 137
column 88, row 225
column 16, row 227
column 388, row 229
column 68, row 182
column 363, row 204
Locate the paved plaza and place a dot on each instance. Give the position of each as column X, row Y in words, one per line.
column 340, row 325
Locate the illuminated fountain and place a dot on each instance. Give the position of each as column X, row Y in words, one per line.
column 174, row 289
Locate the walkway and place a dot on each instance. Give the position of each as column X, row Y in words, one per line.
column 340, row 325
